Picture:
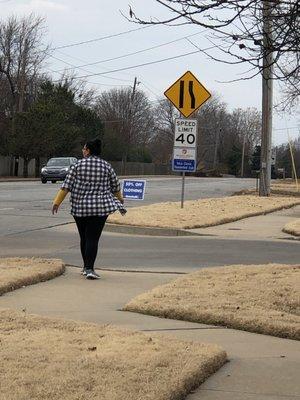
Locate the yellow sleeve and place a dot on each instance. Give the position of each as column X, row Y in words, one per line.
column 119, row 196
column 59, row 198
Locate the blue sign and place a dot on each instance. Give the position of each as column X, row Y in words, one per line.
column 133, row 190
column 183, row 165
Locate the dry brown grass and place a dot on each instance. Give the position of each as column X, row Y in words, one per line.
column 202, row 213
column 18, row 272
column 255, row 298
column 44, row 358
column 286, row 187
column 279, row 187
column 293, row 227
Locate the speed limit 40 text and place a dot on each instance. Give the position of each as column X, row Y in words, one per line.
column 185, row 132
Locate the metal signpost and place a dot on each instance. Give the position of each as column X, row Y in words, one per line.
column 187, row 94
column 133, row 189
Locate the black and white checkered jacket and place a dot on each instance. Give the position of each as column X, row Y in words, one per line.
column 92, row 182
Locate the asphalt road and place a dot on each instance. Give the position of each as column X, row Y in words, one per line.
column 28, row 229
column 25, row 206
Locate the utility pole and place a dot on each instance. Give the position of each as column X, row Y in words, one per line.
column 22, row 80
column 216, row 148
column 243, row 156
column 133, row 89
column 267, row 102
column 124, row 158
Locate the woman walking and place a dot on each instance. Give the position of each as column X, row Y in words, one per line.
column 95, row 193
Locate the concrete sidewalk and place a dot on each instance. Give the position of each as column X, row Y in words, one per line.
column 262, row 227
column 261, row 367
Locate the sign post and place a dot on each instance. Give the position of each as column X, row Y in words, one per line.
column 182, row 189
column 187, row 94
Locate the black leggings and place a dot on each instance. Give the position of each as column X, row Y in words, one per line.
column 90, row 229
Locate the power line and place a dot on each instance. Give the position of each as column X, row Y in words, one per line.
column 101, row 38
column 66, row 62
column 95, row 83
column 139, row 51
column 126, row 55
column 74, row 66
column 150, row 90
column 105, row 84
column 69, row 56
column 144, row 64
column 284, row 129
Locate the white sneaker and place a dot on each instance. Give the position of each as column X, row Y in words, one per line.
column 90, row 274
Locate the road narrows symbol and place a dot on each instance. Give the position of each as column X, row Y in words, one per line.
column 193, row 99
column 181, row 94
column 187, row 94
column 191, row 93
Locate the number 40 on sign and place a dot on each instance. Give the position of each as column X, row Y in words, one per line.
column 185, row 132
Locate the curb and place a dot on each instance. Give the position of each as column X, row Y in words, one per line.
column 292, row 232
column 19, row 180
column 33, row 179
column 135, row 271
column 140, row 230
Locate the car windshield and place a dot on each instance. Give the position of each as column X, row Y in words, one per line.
column 58, row 162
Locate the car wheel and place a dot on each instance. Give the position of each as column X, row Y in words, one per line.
column 44, row 180
column 53, row 181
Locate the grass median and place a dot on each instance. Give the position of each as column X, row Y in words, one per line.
column 43, row 358
column 203, row 212
column 18, row 272
column 293, row 227
column 255, row 298
column 286, row 186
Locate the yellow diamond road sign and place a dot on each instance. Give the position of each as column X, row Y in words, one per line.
column 187, row 94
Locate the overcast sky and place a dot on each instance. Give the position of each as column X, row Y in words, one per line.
column 71, row 21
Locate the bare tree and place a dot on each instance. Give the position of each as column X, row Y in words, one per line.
column 246, row 125
column 291, row 94
column 284, row 159
column 162, row 139
column 22, row 53
column 128, row 118
column 246, row 128
column 237, row 31
column 213, row 137
column 84, row 96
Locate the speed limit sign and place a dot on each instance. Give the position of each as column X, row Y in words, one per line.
column 184, row 152
column 185, row 132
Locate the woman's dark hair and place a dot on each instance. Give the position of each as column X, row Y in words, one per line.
column 95, row 147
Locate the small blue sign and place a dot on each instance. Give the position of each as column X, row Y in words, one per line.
column 183, row 165
column 133, row 190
